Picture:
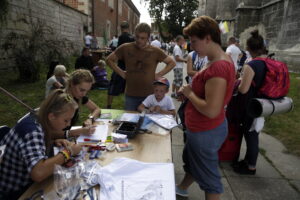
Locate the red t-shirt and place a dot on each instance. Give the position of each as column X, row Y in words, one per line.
column 194, row 120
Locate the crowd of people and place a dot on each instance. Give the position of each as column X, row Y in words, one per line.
column 212, row 74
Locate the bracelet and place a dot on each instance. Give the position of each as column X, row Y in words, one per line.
column 67, row 134
column 66, row 154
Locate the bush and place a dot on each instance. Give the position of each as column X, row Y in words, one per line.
column 40, row 44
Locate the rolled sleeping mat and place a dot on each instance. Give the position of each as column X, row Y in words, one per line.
column 267, row 107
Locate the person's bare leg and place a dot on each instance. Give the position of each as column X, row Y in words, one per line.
column 186, row 182
column 173, row 88
column 209, row 196
column 109, row 101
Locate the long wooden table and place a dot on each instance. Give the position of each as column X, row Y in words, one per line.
column 147, row 148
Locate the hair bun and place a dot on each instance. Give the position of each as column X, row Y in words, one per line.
column 255, row 34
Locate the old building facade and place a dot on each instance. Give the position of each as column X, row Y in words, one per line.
column 66, row 22
column 277, row 20
column 105, row 16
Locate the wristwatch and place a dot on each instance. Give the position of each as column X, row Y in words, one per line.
column 92, row 118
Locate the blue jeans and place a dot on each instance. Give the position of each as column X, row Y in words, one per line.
column 200, row 156
column 132, row 103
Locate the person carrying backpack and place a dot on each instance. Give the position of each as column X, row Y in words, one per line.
column 261, row 77
column 194, row 64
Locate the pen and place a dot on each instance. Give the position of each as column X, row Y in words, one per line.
column 90, row 140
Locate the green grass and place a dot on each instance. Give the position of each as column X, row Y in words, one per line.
column 286, row 126
column 33, row 94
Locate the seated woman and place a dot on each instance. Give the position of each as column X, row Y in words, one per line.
column 100, row 75
column 28, row 155
column 79, row 83
column 58, row 80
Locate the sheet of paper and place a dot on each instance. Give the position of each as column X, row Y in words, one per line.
column 131, row 179
column 99, row 134
column 130, row 117
column 165, row 121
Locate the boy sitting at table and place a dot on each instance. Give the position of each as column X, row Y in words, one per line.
column 159, row 102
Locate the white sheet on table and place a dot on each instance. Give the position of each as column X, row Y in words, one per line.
column 127, row 179
column 99, row 134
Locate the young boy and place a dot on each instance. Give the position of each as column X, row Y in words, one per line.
column 159, row 102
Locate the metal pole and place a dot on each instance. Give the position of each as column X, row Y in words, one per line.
column 16, row 99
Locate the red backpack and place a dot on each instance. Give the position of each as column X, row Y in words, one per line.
column 277, row 80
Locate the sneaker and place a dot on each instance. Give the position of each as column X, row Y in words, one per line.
column 244, row 170
column 180, row 192
column 173, row 95
column 237, row 164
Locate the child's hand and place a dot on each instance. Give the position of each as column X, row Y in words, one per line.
column 88, row 130
column 75, row 149
column 62, row 143
column 157, row 109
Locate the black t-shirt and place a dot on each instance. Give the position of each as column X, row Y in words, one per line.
column 125, row 38
column 260, row 69
column 75, row 118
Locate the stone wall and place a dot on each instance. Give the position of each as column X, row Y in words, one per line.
column 66, row 22
column 278, row 21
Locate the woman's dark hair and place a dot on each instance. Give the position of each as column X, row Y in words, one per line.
column 203, row 26
column 256, row 43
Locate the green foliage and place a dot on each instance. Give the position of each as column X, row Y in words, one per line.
column 286, row 126
column 38, row 44
column 175, row 13
column 33, row 94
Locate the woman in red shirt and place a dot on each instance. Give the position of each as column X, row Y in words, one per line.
column 209, row 93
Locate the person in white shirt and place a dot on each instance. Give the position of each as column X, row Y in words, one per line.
column 178, row 69
column 194, row 64
column 88, row 39
column 58, row 80
column 159, row 102
column 233, row 51
column 114, row 43
column 156, row 42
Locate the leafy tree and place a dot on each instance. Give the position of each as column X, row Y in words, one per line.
column 174, row 14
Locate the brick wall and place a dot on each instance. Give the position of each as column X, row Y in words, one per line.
column 67, row 22
column 106, row 13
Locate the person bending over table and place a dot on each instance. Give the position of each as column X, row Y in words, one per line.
column 141, row 61
column 29, row 145
column 209, row 93
column 79, row 83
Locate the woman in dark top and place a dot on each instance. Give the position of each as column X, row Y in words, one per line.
column 252, row 78
column 79, row 83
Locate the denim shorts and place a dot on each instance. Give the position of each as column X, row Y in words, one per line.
column 200, row 156
column 132, row 103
